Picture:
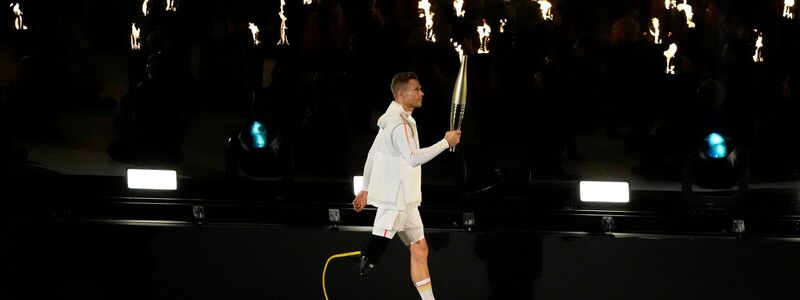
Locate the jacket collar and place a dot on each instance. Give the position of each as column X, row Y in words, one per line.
column 399, row 108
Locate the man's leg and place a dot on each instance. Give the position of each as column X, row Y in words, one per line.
column 419, row 260
column 419, row 269
column 378, row 240
column 414, row 237
column 373, row 251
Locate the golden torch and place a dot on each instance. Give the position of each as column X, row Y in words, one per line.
column 459, row 102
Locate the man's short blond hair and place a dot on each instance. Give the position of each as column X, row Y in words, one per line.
column 400, row 80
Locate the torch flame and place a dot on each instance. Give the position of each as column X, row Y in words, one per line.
column 545, row 6
column 18, row 25
column 145, row 9
column 306, row 2
column 503, row 25
column 655, row 31
column 788, row 6
column 458, row 49
column 670, row 4
column 459, row 4
column 759, row 43
column 136, row 43
column 254, row 31
column 687, row 9
column 171, row 5
column 484, row 33
column 426, row 13
column 669, row 54
column 283, row 40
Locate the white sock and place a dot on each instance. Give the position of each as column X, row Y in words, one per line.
column 424, row 289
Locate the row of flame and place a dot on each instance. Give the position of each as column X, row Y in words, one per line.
column 171, row 5
column 673, row 49
column 687, row 9
column 484, row 31
column 136, row 42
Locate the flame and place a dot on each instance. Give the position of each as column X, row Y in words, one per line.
column 459, row 50
column 136, row 43
column 484, row 33
column 283, row 40
column 687, row 9
column 503, row 25
column 670, row 4
column 306, row 2
column 171, row 5
column 254, row 31
column 788, row 6
column 759, row 43
column 655, row 32
column 545, row 6
column 426, row 13
column 669, row 54
column 459, row 4
column 18, row 25
column 145, row 10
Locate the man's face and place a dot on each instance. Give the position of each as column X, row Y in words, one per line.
column 411, row 94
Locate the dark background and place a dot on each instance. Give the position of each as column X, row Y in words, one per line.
column 580, row 97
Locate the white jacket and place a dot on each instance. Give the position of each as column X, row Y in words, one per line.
column 393, row 170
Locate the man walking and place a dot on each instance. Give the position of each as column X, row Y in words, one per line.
column 392, row 181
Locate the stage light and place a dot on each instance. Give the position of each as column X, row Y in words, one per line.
column 152, row 179
column 715, row 146
column 716, row 161
column 358, row 182
column 721, row 168
column 717, row 166
column 258, row 135
column 255, row 136
column 604, row 191
column 254, row 149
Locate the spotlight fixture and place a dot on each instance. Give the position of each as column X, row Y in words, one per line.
column 719, row 167
column 717, row 162
column 254, row 149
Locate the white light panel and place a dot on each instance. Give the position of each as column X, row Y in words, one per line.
column 604, row 191
column 152, row 179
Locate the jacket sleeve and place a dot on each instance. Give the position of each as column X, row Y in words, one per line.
column 405, row 143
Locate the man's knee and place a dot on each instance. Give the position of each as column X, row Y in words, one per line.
column 419, row 250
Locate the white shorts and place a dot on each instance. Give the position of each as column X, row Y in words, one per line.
column 407, row 223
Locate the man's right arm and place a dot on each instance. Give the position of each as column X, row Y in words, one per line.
column 408, row 148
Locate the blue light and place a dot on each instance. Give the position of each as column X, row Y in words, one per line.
column 717, row 147
column 259, row 134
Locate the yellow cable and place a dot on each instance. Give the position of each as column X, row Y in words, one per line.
column 354, row 253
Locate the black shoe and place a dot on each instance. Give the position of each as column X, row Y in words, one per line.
column 365, row 266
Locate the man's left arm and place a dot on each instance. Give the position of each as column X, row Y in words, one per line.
column 360, row 200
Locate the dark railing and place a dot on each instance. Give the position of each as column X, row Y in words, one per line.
column 764, row 213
